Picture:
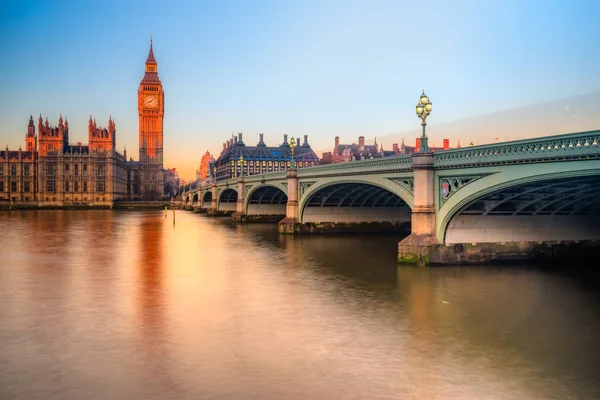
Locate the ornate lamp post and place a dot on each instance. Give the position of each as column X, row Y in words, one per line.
column 423, row 110
column 214, row 173
column 241, row 165
column 292, row 147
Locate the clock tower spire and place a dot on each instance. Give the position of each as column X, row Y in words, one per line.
column 151, row 114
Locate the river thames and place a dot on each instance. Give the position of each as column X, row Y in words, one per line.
column 109, row 304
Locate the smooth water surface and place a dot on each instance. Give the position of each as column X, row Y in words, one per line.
column 126, row 305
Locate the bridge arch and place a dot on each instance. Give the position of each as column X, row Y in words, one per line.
column 355, row 201
column 266, row 200
column 558, row 201
column 227, row 199
column 195, row 199
column 206, row 199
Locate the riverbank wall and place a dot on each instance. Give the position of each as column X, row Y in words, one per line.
column 486, row 253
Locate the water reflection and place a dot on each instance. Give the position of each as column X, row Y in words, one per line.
column 152, row 308
column 126, row 305
column 151, row 296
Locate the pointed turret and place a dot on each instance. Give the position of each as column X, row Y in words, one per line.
column 151, row 58
column 40, row 126
column 61, row 127
column 151, row 74
column 30, row 138
column 112, row 129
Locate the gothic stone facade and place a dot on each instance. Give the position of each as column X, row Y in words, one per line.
column 52, row 172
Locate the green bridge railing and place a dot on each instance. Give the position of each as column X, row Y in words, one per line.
column 581, row 145
column 568, row 146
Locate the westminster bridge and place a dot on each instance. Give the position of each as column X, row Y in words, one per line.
column 509, row 200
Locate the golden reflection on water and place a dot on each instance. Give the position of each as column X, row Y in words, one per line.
column 128, row 305
column 151, row 297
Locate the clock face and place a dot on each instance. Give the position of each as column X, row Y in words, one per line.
column 151, row 101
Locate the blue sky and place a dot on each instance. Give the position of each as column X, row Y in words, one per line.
column 322, row 68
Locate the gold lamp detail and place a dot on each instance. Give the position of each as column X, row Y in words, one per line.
column 423, row 109
column 241, row 165
column 292, row 147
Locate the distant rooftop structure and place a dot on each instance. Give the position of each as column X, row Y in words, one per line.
column 361, row 151
column 261, row 158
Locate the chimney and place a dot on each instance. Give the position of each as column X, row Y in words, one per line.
column 337, row 141
column 361, row 141
column 224, row 146
column 240, row 137
column 235, row 140
column 305, row 140
column 260, row 135
column 418, row 145
column 446, row 144
column 285, row 138
column 395, row 148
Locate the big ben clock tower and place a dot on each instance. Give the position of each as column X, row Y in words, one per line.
column 151, row 112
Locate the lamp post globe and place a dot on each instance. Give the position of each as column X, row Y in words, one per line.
column 241, row 165
column 423, row 109
column 292, row 146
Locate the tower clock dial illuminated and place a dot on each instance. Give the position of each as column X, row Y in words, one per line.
column 151, row 101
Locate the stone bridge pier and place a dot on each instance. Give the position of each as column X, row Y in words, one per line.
column 213, row 211
column 291, row 221
column 240, row 210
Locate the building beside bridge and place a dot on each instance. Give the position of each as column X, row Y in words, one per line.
column 206, row 165
column 361, row 151
column 237, row 159
column 53, row 172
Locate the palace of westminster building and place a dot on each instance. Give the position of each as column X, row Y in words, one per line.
column 53, row 172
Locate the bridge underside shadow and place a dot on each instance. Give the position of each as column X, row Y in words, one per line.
column 355, row 207
column 266, row 203
column 547, row 221
column 550, row 210
column 207, row 200
column 226, row 205
column 204, row 203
